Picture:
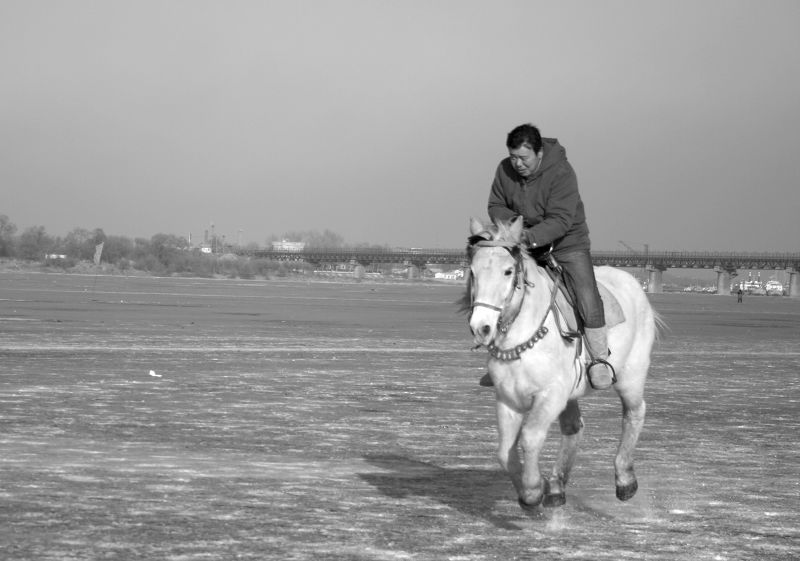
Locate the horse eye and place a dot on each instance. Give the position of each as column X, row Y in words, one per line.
column 509, row 272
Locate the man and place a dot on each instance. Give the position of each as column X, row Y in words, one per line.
column 537, row 182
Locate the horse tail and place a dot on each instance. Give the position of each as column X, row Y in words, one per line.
column 660, row 325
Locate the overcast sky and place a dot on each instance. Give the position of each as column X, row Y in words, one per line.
column 384, row 121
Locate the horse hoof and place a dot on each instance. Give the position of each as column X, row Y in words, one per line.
column 528, row 506
column 625, row 492
column 556, row 499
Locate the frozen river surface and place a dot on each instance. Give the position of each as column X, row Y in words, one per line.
column 299, row 421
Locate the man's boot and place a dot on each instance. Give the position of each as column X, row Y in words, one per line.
column 601, row 374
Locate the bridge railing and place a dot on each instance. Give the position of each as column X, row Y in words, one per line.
column 701, row 259
column 658, row 259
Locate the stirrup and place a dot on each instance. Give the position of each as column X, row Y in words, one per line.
column 486, row 381
column 596, row 361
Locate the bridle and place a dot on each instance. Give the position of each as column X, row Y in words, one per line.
column 504, row 324
column 519, row 280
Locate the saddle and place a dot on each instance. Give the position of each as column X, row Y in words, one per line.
column 572, row 326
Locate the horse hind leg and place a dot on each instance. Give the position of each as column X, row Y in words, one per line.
column 633, row 413
column 571, row 425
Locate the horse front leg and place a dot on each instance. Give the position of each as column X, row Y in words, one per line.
column 534, row 432
column 509, row 422
column 571, row 426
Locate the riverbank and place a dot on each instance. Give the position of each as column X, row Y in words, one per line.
column 106, row 269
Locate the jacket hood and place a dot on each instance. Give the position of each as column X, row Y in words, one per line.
column 554, row 154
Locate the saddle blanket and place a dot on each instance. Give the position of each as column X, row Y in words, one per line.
column 613, row 311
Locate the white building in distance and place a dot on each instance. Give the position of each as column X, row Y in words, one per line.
column 284, row 245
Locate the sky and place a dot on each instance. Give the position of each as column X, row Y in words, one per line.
column 384, row 121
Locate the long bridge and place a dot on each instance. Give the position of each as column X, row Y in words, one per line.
column 725, row 264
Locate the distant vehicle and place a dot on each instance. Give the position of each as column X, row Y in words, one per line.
column 697, row 288
column 751, row 285
column 774, row 288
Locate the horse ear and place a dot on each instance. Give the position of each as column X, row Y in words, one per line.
column 476, row 226
column 515, row 228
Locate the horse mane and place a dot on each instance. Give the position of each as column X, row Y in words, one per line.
column 464, row 304
column 472, row 240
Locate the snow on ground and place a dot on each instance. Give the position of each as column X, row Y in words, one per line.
column 344, row 421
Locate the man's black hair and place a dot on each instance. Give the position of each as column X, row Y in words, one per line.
column 524, row 134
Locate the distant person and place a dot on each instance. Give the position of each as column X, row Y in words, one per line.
column 537, row 182
column 739, row 294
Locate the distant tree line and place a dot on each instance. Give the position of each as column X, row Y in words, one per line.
column 162, row 254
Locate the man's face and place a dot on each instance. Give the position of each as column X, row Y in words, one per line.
column 524, row 160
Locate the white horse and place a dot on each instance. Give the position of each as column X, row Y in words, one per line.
column 538, row 375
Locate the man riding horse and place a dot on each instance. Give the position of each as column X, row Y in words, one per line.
column 538, row 183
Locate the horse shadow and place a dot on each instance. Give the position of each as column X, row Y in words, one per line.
column 473, row 492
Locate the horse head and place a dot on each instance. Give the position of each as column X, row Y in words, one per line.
column 496, row 276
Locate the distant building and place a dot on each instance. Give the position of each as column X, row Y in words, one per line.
column 284, row 245
column 450, row 275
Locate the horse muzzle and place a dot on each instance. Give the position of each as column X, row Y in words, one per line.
column 483, row 322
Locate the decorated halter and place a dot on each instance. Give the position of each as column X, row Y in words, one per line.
column 519, row 280
column 504, row 324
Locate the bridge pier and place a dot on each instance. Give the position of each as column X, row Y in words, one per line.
column 723, row 281
column 413, row 272
column 794, row 283
column 655, row 281
column 359, row 271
